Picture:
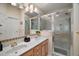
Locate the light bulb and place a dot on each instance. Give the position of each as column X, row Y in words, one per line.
column 35, row 9
column 31, row 8
column 57, row 15
column 14, row 4
column 27, row 9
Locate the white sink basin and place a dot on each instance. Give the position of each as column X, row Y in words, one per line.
column 16, row 49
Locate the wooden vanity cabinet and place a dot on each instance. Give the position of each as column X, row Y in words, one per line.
column 44, row 48
column 39, row 50
column 28, row 53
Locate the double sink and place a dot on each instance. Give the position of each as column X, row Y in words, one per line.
column 18, row 49
column 22, row 47
column 14, row 50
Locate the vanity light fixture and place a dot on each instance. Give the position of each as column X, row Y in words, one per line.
column 21, row 6
column 31, row 8
column 14, row 4
column 28, row 7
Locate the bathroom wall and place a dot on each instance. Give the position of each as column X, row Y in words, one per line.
column 75, row 29
column 48, row 34
column 9, row 10
column 13, row 11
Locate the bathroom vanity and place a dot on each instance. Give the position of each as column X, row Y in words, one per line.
column 39, row 50
column 36, row 47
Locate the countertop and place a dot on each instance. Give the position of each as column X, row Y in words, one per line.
column 22, row 47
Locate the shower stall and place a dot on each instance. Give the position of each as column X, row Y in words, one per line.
column 62, row 34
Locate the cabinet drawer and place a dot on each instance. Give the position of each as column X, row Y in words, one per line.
column 43, row 43
column 46, row 41
column 29, row 53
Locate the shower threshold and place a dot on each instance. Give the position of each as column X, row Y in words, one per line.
column 58, row 54
column 60, row 51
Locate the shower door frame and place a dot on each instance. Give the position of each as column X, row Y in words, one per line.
column 70, row 40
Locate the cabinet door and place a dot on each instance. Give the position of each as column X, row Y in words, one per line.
column 44, row 48
column 37, row 50
column 29, row 53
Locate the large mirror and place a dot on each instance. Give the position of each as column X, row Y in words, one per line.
column 45, row 23
column 34, row 23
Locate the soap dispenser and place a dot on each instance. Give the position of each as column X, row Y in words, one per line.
column 1, row 46
column 27, row 39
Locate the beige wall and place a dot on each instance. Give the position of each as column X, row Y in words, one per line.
column 9, row 10
column 13, row 11
column 75, row 28
column 48, row 34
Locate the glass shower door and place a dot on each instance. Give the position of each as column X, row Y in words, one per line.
column 62, row 35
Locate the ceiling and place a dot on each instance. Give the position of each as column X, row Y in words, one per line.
column 46, row 8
